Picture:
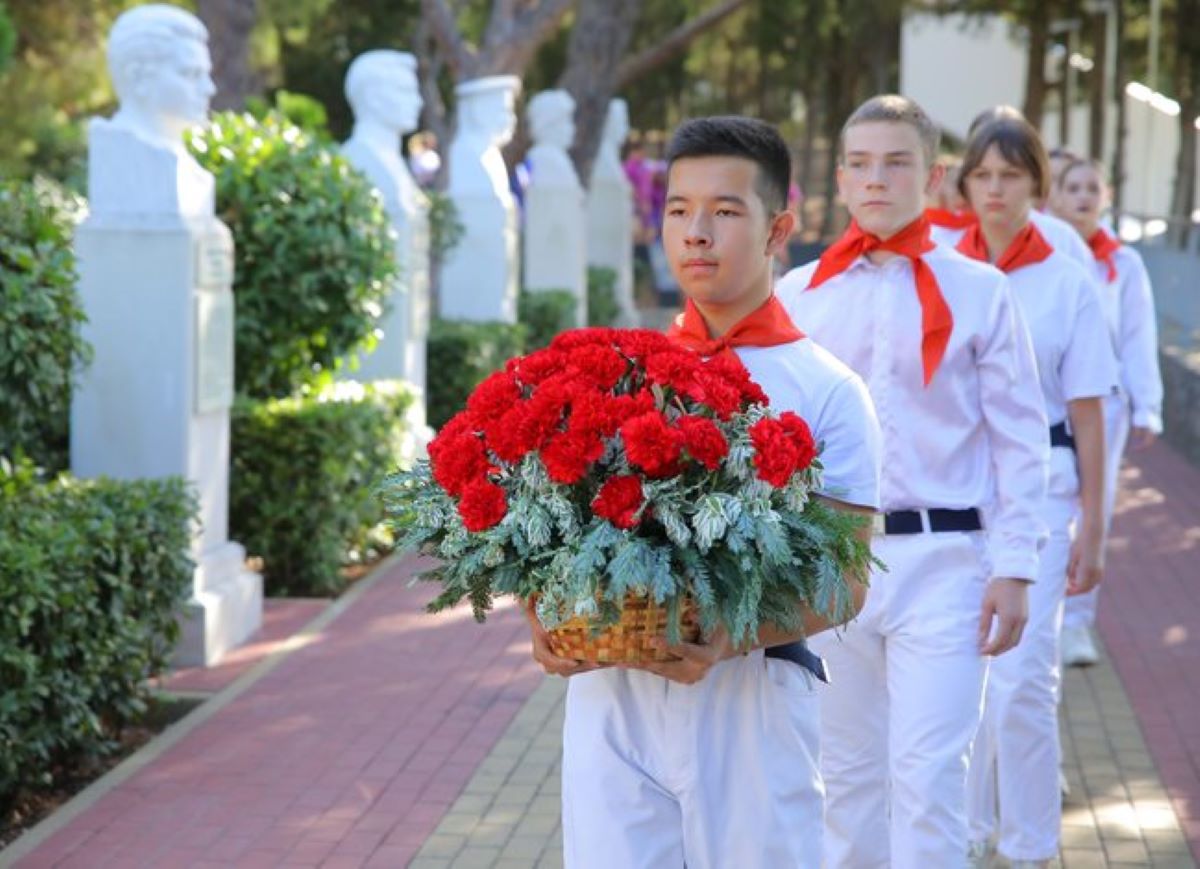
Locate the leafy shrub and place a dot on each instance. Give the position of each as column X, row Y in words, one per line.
column 315, row 250
column 545, row 314
column 41, row 345
column 8, row 38
column 602, row 307
column 302, row 477
column 300, row 109
column 445, row 228
column 459, row 356
column 92, row 577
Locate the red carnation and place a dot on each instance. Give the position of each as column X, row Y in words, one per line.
column 574, row 338
column 801, row 437
column 510, row 436
column 458, row 462
column 483, row 505
column 675, row 368
column 774, row 454
column 493, row 397
column 703, row 440
column 599, row 365
column 714, row 392
column 652, row 445
column 735, row 374
column 640, row 343
column 537, row 366
column 619, row 500
column 568, row 455
column 460, row 423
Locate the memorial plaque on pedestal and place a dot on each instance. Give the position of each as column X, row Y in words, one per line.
column 214, row 351
column 214, row 261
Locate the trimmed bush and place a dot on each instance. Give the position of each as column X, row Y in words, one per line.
column 41, row 346
column 315, row 250
column 460, row 355
column 92, row 576
column 545, row 314
column 602, row 307
column 302, row 478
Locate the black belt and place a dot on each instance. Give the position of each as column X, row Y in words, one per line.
column 909, row 521
column 1060, row 437
column 799, row 653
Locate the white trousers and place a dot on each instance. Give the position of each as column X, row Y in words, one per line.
column 718, row 774
column 904, row 704
column 1081, row 609
column 1013, row 782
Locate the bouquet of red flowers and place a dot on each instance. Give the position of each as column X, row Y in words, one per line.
column 614, row 469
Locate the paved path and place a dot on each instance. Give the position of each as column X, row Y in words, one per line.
column 389, row 738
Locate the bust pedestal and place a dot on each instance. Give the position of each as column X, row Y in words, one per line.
column 555, row 247
column 155, row 401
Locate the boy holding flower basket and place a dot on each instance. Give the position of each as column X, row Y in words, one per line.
column 678, row 512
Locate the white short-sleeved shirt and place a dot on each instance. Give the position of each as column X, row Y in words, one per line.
column 809, row 381
column 1059, row 234
column 976, row 435
column 1071, row 342
column 1128, row 304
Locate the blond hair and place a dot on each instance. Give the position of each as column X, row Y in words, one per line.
column 895, row 109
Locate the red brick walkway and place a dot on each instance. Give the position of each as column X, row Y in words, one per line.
column 355, row 745
column 1150, row 617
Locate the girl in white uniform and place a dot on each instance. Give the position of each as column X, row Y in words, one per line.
column 1015, row 759
column 1128, row 304
column 711, row 761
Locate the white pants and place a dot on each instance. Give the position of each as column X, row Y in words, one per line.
column 1081, row 609
column 904, row 704
column 718, row 774
column 1014, row 765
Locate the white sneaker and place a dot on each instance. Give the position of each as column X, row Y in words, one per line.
column 980, row 855
column 1077, row 648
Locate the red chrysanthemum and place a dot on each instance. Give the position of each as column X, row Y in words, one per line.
column 493, row 397
column 483, row 505
column 652, row 445
column 458, row 462
column 619, row 500
column 801, row 437
column 775, row 457
column 703, row 440
column 568, row 455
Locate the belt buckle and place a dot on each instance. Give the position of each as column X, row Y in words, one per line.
column 878, row 524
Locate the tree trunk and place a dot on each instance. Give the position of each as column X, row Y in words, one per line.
column 1118, row 159
column 1035, row 72
column 599, row 39
column 229, row 24
column 1099, row 85
column 1187, row 76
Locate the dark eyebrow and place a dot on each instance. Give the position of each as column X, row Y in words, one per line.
column 888, row 154
column 728, row 197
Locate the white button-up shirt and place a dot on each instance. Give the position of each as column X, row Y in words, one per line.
column 977, row 435
column 1071, row 342
column 1128, row 304
column 1059, row 234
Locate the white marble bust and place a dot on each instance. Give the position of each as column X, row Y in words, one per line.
column 161, row 71
column 610, row 209
column 382, row 89
column 479, row 276
column 555, row 215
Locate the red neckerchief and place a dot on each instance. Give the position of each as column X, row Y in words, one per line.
column 913, row 242
column 1103, row 247
column 1027, row 248
column 765, row 326
column 948, row 219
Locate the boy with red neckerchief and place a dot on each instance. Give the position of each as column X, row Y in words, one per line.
column 947, row 359
column 711, row 760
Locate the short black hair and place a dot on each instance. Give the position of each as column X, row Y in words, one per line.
column 735, row 136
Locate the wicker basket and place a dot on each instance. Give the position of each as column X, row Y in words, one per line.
column 626, row 641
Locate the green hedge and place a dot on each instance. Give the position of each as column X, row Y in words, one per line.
column 302, row 476
column 315, row 256
column 545, row 314
column 41, row 346
column 459, row 356
column 92, row 576
column 602, row 307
